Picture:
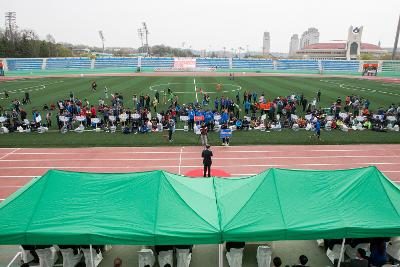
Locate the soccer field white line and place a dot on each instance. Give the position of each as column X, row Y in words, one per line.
column 195, row 89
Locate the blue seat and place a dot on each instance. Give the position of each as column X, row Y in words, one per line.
column 24, row 63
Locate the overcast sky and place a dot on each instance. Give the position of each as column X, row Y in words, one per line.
column 205, row 24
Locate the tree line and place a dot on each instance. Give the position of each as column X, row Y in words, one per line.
column 26, row 43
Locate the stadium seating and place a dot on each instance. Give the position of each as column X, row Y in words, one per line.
column 116, row 62
column 252, row 64
column 24, row 63
column 68, row 63
column 212, row 62
column 340, row 65
column 157, row 62
column 391, row 66
column 287, row 64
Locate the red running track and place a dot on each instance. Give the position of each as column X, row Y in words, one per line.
column 19, row 166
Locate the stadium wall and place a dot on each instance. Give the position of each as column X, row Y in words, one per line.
column 77, row 65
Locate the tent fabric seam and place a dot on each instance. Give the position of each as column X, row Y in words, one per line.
column 157, row 206
column 180, row 197
column 245, row 204
column 218, row 212
column 279, row 201
column 390, row 200
column 36, row 205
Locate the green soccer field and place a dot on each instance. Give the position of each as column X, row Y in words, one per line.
column 49, row 90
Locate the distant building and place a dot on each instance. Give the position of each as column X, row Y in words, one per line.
column 294, row 45
column 350, row 49
column 266, row 43
column 309, row 37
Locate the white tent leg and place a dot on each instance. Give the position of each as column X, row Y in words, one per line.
column 341, row 252
column 220, row 255
column 91, row 255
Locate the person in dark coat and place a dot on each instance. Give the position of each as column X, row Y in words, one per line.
column 207, row 161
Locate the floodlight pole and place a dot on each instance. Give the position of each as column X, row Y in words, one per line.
column 91, row 255
column 396, row 40
column 341, row 252
column 220, row 255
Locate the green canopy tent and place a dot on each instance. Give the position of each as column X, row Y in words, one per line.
column 132, row 208
column 284, row 204
column 157, row 207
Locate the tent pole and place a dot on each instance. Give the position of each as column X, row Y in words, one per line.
column 91, row 255
column 220, row 255
column 341, row 252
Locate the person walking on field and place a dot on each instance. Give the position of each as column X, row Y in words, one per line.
column 207, row 161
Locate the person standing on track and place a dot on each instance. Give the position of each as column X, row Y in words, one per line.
column 207, row 161
column 203, row 134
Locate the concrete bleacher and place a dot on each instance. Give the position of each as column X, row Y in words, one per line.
column 212, row 62
column 287, row 64
column 252, row 64
column 116, row 62
column 24, row 63
column 157, row 62
column 340, row 65
column 68, row 63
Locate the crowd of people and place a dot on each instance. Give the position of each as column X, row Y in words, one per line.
column 246, row 111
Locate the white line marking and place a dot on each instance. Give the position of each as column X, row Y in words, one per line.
column 15, row 257
column 15, row 150
column 224, row 158
column 195, row 89
column 16, row 176
column 10, row 186
column 180, row 161
column 1, row 199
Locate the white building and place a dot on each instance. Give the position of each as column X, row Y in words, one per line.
column 350, row 49
column 309, row 37
column 266, row 43
column 294, row 45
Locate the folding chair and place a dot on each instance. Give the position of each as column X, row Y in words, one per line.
column 80, row 128
column 183, row 257
column 47, row 256
column 97, row 257
column 69, row 258
column 166, row 257
column 235, row 257
column 64, row 120
column 264, row 255
column 96, row 121
column 146, row 257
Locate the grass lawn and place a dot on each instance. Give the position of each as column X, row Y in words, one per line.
column 48, row 90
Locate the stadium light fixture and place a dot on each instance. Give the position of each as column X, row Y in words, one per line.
column 101, row 35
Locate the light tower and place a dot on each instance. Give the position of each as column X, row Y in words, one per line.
column 146, row 33
column 141, row 34
column 10, row 24
column 396, row 40
column 101, row 35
